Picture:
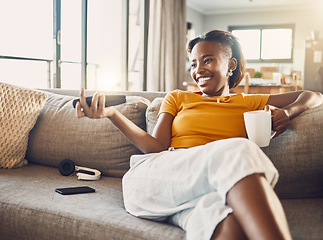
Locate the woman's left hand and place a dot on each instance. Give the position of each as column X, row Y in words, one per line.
column 280, row 119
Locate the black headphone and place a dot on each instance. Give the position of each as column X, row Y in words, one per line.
column 67, row 167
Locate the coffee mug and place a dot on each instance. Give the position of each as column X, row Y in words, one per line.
column 258, row 126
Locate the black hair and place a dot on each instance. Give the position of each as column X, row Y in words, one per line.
column 227, row 39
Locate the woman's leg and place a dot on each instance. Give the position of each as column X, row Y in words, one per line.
column 229, row 228
column 257, row 209
column 198, row 178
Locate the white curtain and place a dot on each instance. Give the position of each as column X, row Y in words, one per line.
column 166, row 45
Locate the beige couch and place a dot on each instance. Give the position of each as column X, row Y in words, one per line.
column 31, row 209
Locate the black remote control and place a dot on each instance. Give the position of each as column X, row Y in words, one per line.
column 110, row 100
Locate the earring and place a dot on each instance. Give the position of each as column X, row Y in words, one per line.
column 230, row 73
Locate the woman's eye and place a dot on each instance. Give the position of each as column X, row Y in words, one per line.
column 207, row 60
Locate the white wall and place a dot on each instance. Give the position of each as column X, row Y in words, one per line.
column 305, row 21
column 197, row 19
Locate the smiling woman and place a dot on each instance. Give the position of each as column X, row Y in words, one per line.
column 226, row 57
column 200, row 140
column 211, row 71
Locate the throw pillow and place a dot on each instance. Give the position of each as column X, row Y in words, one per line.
column 152, row 114
column 19, row 109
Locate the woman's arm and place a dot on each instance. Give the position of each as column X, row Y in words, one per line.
column 287, row 106
column 146, row 143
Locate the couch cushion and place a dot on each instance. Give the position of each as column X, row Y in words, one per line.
column 152, row 114
column 31, row 209
column 304, row 217
column 19, row 109
column 95, row 143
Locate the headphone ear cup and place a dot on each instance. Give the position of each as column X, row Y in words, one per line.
column 66, row 167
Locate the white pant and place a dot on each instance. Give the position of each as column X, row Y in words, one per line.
column 188, row 187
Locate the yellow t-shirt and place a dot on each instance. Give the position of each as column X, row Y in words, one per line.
column 200, row 120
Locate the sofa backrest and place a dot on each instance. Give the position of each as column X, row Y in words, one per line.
column 148, row 95
column 96, row 143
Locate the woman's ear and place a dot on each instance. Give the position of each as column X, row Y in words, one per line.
column 233, row 64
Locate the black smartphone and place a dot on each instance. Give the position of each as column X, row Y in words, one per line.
column 110, row 100
column 74, row 190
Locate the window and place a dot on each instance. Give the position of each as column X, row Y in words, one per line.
column 106, row 41
column 265, row 43
column 26, row 42
column 92, row 44
column 137, row 44
column 74, row 43
column 71, row 36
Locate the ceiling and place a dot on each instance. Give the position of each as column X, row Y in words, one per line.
column 209, row 7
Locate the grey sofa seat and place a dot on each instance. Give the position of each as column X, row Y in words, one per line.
column 31, row 209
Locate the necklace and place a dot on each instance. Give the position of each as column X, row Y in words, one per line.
column 218, row 97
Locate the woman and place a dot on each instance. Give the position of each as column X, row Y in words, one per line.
column 199, row 171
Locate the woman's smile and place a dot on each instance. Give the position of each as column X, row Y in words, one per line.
column 202, row 80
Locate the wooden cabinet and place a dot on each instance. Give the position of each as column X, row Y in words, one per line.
column 296, row 84
column 273, row 89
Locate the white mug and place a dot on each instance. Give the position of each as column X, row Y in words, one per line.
column 258, row 126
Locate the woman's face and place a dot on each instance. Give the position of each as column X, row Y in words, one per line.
column 210, row 64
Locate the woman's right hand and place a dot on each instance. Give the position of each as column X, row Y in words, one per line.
column 94, row 111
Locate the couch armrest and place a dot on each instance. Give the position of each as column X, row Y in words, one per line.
column 298, row 156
